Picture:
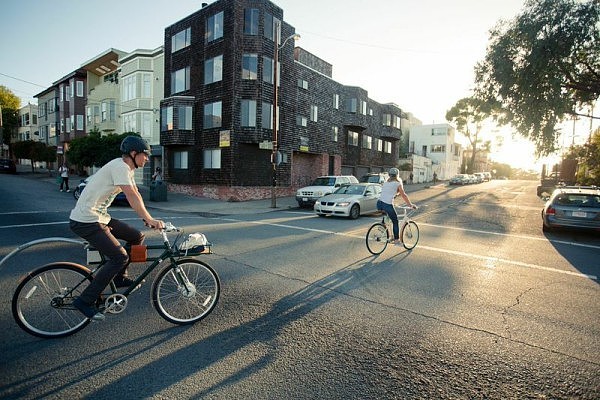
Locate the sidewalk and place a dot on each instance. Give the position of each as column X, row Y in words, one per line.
column 177, row 202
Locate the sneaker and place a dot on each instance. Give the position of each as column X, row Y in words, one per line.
column 61, row 190
column 68, row 190
column 122, row 281
column 89, row 311
column 399, row 243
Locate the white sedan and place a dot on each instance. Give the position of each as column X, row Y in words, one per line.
column 349, row 201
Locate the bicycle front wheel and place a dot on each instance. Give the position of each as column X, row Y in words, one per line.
column 410, row 235
column 186, row 291
column 43, row 301
column 377, row 238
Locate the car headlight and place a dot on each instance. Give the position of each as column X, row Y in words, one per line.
column 319, row 193
column 343, row 204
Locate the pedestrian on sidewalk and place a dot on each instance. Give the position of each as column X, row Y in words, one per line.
column 63, row 170
column 157, row 176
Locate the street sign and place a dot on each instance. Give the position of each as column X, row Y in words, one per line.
column 265, row 145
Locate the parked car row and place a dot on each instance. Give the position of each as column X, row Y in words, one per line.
column 468, row 179
column 7, row 165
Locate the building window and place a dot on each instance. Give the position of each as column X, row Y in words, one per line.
column 214, row 27
column 438, row 132
column 180, row 80
column 184, row 120
column 267, row 116
column 303, row 84
column 438, row 148
column 251, row 21
column 352, row 138
column 180, row 40
column 301, row 120
column 379, row 144
column 180, row 159
column 213, row 70
column 396, row 122
column 271, row 23
column 336, row 101
column 351, row 105
column 267, row 69
column 146, row 129
column 72, row 88
column 248, row 113
column 146, row 86
column 367, row 142
column 314, row 113
column 166, row 119
column 129, row 84
column 212, row 159
column 387, row 147
column 334, row 133
column 387, row 120
column 250, row 66
column 80, row 122
column 212, row 115
column 363, row 107
column 67, row 125
column 129, row 122
column 79, row 88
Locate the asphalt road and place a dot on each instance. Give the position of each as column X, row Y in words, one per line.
column 485, row 307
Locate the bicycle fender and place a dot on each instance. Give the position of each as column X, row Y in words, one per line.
column 40, row 241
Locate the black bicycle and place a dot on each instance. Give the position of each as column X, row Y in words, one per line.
column 185, row 291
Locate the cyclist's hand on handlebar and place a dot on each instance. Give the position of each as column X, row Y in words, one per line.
column 414, row 206
column 154, row 223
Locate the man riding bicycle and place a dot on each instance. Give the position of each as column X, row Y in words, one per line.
column 90, row 220
column 390, row 189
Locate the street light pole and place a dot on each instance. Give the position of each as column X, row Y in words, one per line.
column 274, row 160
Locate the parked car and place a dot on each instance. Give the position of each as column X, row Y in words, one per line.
column 480, row 177
column 573, row 207
column 7, row 165
column 487, row 176
column 380, row 177
column 349, row 201
column 321, row 186
column 460, row 179
column 121, row 199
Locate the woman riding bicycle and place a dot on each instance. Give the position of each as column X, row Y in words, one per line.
column 392, row 188
column 90, row 220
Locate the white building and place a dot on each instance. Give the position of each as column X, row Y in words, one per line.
column 437, row 142
column 28, row 123
column 142, row 89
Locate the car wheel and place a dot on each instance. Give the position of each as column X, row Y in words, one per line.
column 321, row 215
column 355, row 211
column 76, row 193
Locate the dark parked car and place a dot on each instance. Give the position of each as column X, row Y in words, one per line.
column 119, row 200
column 375, row 178
column 574, row 207
column 7, row 165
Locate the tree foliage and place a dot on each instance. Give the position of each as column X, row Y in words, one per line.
column 10, row 105
column 468, row 114
column 94, row 149
column 588, row 158
column 34, row 151
column 542, row 67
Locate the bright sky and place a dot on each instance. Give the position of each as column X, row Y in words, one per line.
column 417, row 54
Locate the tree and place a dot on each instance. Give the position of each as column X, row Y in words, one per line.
column 9, row 104
column 34, row 151
column 588, row 158
column 542, row 67
column 94, row 149
column 468, row 114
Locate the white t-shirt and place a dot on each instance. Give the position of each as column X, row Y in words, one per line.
column 389, row 190
column 64, row 171
column 100, row 191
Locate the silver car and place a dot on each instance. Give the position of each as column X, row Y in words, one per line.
column 575, row 207
column 350, row 201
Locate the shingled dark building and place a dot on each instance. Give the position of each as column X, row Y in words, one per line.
column 217, row 115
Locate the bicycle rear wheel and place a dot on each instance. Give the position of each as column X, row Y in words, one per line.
column 42, row 304
column 377, row 238
column 410, row 235
column 186, row 292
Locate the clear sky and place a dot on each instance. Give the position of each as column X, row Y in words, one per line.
column 417, row 54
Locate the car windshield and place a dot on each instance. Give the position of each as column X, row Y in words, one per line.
column 351, row 189
column 324, row 181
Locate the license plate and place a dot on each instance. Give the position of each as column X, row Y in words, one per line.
column 579, row 214
column 305, row 199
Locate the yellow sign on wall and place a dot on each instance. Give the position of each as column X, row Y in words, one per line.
column 224, row 138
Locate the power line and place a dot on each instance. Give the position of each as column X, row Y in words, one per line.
column 23, row 80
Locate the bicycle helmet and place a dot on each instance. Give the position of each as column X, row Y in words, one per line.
column 394, row 172
column 134, row 143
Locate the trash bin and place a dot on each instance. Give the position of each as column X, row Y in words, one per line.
column 158, row 191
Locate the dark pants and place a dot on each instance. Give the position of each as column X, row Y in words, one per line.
column 104, row 238
column 391, row 212
column 64, row 181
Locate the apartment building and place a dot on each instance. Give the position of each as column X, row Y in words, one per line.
column 70, row 109
column 28, row 123
column 217, row 115
column 141, row 82
column 48, row 116
column 438, row 143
